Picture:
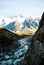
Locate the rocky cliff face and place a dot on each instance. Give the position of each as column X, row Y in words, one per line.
column 39, row 35
column 35, row 54
column 8, row 40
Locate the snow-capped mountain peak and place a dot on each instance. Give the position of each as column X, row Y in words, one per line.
column 19, row 22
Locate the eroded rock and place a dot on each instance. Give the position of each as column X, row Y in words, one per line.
column 8, row 40
column 35, row 54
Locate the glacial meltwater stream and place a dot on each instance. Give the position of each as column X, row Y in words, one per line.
column 17, row 56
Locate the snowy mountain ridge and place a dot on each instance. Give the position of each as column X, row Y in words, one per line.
column 18, row 22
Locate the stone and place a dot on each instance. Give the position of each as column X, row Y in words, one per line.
column 6, row 57
column 8, row 40
column 35, row 53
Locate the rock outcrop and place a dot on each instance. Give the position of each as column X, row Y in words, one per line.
column 35, row 54
column 8, row 40
column 39, row 35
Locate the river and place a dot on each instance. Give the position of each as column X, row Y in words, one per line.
column 17, row 56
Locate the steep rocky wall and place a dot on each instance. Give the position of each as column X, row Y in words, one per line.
column 35, row 54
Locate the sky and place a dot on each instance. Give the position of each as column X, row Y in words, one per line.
column 33, row 8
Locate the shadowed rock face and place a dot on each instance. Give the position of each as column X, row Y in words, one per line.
column 39, row 35
column 35, row 54
column 8, row 40
column 41, row 21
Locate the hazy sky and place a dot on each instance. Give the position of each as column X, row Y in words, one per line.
column 23, row 7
